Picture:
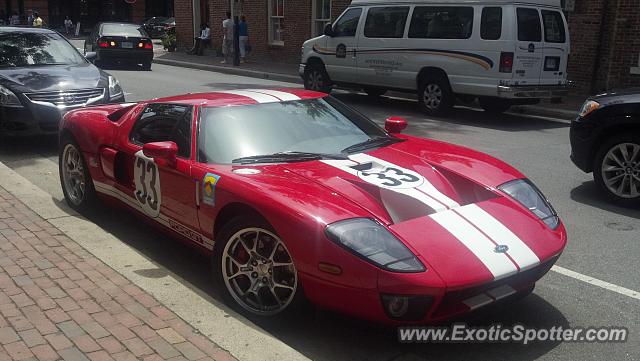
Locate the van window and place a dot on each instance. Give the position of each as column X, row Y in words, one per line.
column 529, row 25
column 491, row 23
column 441, row 22
column 348, row 23
column 386, row 22
column 553, row 27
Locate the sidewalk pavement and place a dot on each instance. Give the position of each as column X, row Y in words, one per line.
column 58, row 301
column 567, row 109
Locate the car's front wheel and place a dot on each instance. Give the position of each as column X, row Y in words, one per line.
column 77, row 185
column 617, row 169
column 254, row 268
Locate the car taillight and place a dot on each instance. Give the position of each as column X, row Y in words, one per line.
column 148, row 45
column 103, row 43
column 506, row 62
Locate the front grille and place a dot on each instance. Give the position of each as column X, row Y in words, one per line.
column 74, row 97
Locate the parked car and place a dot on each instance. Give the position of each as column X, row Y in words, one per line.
column 157, row 26
column 605, row 140
column 292, row 194
column 120, row 43
column 43, row 76
column 504, row 52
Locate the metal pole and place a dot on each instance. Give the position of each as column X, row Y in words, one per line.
column 236, row 41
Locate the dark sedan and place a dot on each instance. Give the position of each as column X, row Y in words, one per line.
column 157, row 26
column 42, row 76
column 605, row 140
column 120, row 43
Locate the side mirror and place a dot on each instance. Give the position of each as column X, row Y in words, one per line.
column 164, row 153
column 91, row 56
column 395, row 125
column 328, row 29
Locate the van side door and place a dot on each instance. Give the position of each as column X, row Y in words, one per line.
column 527, row 65
column 382, row 51
column 341, row 47
column 556, row 48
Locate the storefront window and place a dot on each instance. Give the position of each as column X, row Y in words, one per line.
column 321, row 16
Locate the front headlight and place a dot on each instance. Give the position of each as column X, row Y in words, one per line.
column 115, row 90
column 588, row 107
column 370, row 241
column 8, row 98
column 527, row 194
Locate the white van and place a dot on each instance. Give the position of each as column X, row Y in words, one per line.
column 503, row 52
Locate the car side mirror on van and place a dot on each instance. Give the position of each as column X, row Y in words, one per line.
column 328, row 29
column 395, row 125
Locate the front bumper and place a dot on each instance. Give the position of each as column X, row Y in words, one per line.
column 533, row 91
column 301, row 69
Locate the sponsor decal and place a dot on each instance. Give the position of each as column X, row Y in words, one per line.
column 147, row 182
column 501, row 248
column 186, row 232
column 209, row 188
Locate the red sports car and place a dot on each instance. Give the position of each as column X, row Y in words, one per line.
column 294, row 194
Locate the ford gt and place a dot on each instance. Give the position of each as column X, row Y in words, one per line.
column 296, row 196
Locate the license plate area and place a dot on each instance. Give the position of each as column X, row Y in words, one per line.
column 127, row 45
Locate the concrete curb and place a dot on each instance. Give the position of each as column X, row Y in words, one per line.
column 229, row 70
column 231, row 331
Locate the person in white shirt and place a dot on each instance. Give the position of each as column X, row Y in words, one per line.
column 201, row 41
column 227, row 40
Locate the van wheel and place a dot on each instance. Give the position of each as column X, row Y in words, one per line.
column 494, row 105
column 375, row 92
column 435, row 95
column 316, row 78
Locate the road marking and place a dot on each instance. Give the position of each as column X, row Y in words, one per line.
column 596, row 282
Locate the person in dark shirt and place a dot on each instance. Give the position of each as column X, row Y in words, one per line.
column 244, row 38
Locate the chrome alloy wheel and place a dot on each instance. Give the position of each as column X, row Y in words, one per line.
column 73, row 174
column 621, row 170
column 432, row 96
column 258, row 271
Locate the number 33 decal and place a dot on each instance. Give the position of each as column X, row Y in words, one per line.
column 392, row 177
column 147, row 181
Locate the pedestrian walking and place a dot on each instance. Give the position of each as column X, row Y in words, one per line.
column 68, row 25
column 201, row 41
column 244, row 38
column 227, row 40
column 37, row 20
column 15, row 19
column 30, row 18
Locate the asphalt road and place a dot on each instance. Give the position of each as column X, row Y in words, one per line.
column 604, row 240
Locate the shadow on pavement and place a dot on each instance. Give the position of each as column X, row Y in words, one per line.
column 588, row 194
column 28, row 148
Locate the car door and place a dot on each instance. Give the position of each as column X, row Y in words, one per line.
column 527, row 65
column 380, row 57
column 556, row 48
column 164, row 192
column 341, row 47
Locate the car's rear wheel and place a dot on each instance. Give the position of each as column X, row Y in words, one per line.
column 617, row 169
column 435, row 95
column 77, row 185
column 494, row 105
column 254, row 268
column 146, row 65
column 316, row 78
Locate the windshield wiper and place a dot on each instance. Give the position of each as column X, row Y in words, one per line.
column 371, row 143
column 290, row 156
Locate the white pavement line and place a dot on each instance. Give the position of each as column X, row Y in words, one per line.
column 596, row 282
column 231, row 331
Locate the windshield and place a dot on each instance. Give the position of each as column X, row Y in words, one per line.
column 19, row 49
column 123, row 30
column 314, row 125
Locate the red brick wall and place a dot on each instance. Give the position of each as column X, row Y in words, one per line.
column 138, row 12
column 183, row 11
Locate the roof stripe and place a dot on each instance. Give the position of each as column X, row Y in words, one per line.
column 284, row 96
column 258, row 97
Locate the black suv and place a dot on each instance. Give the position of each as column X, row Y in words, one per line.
column 605, row 140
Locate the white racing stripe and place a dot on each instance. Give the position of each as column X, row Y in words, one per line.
column 498, row 264
column 429, row 201
column 284, row 96
column 258, row 97
column 524, row 257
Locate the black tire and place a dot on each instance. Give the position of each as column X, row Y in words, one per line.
column 316, row 78
column 226, row 235
column 435, row 96
column 88, row 201
column 375, row 92
column 146, row 65
column 633, row 167
column 494, row 105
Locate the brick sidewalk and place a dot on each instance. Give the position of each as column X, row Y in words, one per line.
column 57, row 301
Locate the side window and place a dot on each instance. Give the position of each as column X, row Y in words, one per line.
column 441, row 22
column 386, row 22
column 491, row 23
column 162, row 123
column 348, row 23
column 529, row 25
column 553, row 27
